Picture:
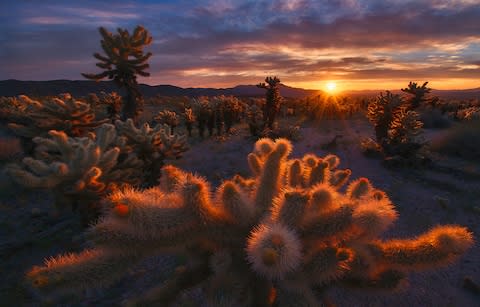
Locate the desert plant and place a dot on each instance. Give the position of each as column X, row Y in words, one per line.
column 254, row 120
column 152, row 145
column 418, row 94
column 124, row 59
column 381, row 113
column 38, row 117
column 203, row 112
column 189, row 120
column 279, row 237
column 168, row 118
column 78, row 170
column 273, row 100
column 230, row 108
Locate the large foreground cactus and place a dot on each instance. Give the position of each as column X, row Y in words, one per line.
column 276, row 238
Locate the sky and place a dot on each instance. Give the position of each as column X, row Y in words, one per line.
column 357, row 44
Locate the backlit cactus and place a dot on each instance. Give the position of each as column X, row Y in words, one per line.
column 124, row 59
column 37, row 118
column 279, row 235
column 168, row 118
column 152, row 145
column 79, row 170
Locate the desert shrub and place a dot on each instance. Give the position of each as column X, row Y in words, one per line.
column 460, row 140
column 277, row 238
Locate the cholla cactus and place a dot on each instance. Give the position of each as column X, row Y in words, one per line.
column 189, row 120
column 37, row 118
column 11, row 109
column 418, row 92
column 381, row 113
column 273, row 100
column 79, row 171
column 405, row 127
column 152, row 146
column 231, row 109
column 124, row 59
column 277, row 236
column 254, row 119
column 203, row 111
column 73, row 117
column 169, row 118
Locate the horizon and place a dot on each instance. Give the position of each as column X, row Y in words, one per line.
column 342, row 45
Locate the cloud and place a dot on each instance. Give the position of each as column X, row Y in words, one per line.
column 220, row 41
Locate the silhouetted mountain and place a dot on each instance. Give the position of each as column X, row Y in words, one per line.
column 84, row 87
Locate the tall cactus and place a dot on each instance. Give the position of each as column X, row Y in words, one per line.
column 273, row 99
column 418, row 94
column 381, row 113
column 124, row 60
column 273, row 238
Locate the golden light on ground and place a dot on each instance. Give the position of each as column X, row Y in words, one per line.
column 331, row 87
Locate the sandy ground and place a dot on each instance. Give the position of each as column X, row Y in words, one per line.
column 414, row 192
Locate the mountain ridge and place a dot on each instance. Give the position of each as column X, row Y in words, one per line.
column 12, row 87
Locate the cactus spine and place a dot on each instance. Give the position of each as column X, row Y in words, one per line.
column 123, row 61
column 259, row 241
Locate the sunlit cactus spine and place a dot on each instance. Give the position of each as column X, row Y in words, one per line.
column 38, row 117
column 124, row 59
column 418, row 93
column 287, row 232
column 152, row 145
column 381, row 113
column 273, row 100
column 189, row 118
column 79, row 171
column 169, row 118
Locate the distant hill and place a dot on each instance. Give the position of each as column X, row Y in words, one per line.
column 84, row 87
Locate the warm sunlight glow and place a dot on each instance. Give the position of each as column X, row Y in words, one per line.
column 331, row 87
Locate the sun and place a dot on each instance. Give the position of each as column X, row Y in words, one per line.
column 331, row 87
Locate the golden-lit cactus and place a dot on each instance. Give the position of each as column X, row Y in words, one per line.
column 418, row 94
column 37, row 118
column 169, row 118
column 79, row 170
column 152, row 145
column 283, row 233
column 124, row 59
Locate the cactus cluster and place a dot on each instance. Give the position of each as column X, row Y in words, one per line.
column 276, row 238
column 74, row 117
column 152, row 145
column 397, row 126
column 168, row 118
column 80, row 171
